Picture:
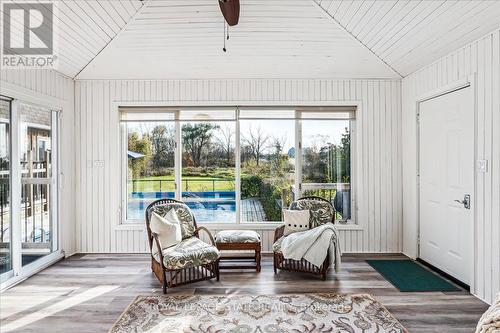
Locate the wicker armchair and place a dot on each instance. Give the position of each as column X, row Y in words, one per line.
column 322, row 211
column 191, row 260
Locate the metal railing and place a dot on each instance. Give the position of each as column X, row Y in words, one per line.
column 323, row 190
column 35, row 215
column 329, row 192
column 195, row 185
column 35, row 210
column 4, row 210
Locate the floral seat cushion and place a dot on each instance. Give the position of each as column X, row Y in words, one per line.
column 321, row 211
column 237, row 236
column 183, row 213
column 191, row 252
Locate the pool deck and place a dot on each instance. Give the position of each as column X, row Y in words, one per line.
column 252, row 210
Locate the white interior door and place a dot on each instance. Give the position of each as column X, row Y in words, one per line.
column 447, row 182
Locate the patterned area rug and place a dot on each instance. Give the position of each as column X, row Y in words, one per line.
column 249, row 314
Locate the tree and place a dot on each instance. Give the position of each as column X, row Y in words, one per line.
column 279, row 143
column 196, row 139
column 325, row 162
column 345, row 151
column 163, row 144
column 142, row 146
column 225, row 143
column 257, row 142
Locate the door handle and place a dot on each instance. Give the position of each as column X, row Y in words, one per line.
column 465, row 201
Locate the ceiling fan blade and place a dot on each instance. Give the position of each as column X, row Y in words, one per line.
column 230, row 10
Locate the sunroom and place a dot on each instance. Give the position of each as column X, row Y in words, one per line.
column 249, row 165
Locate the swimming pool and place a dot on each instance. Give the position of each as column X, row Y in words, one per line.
column 218, row 206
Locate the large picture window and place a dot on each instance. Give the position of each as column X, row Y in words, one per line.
column 237, row 165
column 208, row 165
column 267, row 141
column 326, row 158
column 150, row 165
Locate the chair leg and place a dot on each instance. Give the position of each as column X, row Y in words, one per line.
column 217, row 271
column 164, row 283
column 274, row 264
column 257, row 259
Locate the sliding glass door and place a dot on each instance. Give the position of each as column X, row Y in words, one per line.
column 5, row 207
column 38, row 165
column 28, row 188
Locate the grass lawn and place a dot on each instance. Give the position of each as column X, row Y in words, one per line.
column 189, row 183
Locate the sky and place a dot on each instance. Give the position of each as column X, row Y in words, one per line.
column 314, row 132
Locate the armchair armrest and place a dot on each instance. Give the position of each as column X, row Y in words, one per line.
column 278, row 232
column 208, row 232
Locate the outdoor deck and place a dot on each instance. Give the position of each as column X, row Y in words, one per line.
column 252, row 210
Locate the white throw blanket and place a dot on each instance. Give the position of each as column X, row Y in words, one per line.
column 490, row 321
column 313, row 245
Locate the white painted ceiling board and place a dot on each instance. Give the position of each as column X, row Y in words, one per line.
column 275, row 38
column 409, row 34
column 157, row 39
column 84, row 27
column 441, row 45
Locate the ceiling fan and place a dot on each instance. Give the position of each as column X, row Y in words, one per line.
column 231, row 11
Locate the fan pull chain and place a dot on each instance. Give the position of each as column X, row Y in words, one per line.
column 224, row 48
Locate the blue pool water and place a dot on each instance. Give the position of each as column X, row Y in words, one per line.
column 218, row 206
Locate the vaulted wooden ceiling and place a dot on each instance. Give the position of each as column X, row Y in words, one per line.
column 275, row 38
column 82, row 28
column 409, row 34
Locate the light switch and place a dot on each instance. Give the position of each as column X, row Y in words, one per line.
column 482, row 166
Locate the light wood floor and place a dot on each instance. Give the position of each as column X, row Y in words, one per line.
column 87, row 293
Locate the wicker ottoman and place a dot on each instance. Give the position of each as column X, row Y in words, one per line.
column 239, row 240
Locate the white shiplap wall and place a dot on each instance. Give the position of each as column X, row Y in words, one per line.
column 481, row 58
column 51, row 89
column 98, row 153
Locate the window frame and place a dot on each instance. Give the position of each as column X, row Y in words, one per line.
column 178, row 168
column 355, row 122
column 124, row 163
column 354, row 148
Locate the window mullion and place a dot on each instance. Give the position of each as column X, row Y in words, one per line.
column 178, row 158
column 298, row 155
column 124, row 173
column 237, row 160
column 16, row 188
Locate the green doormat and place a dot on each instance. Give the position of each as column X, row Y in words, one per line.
column 407, row 275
